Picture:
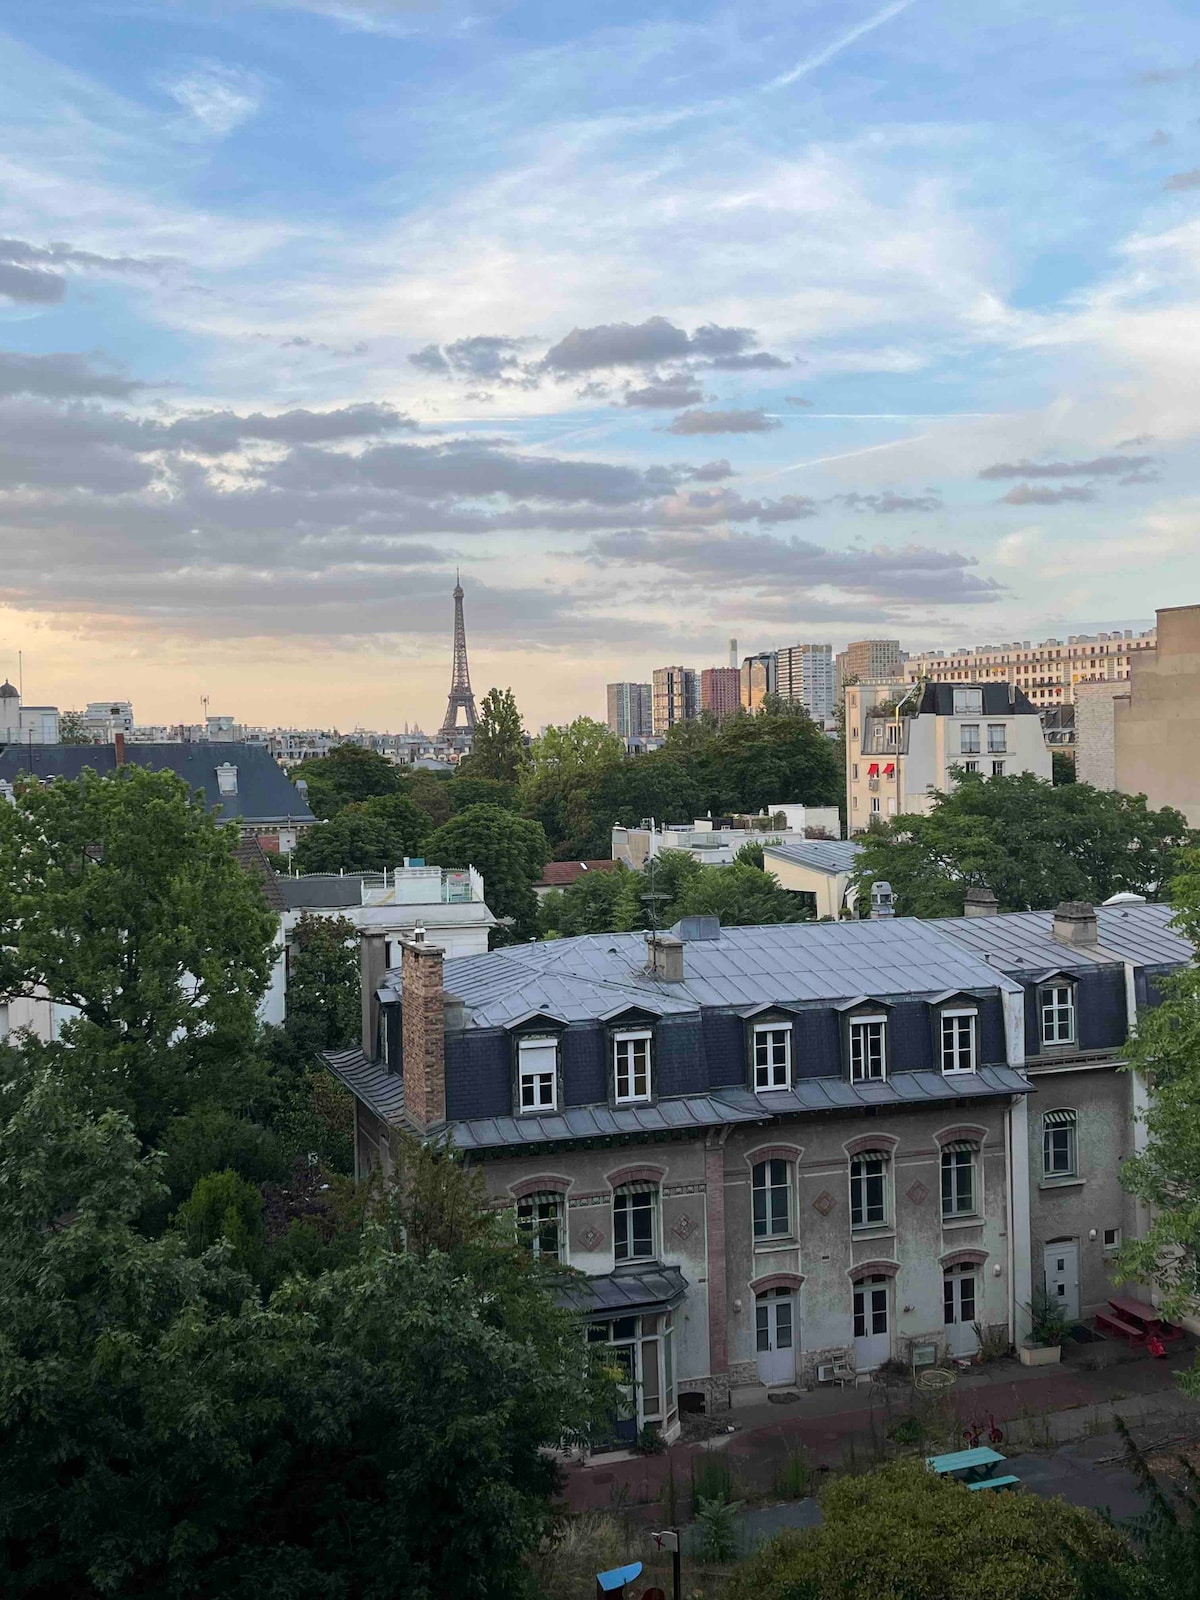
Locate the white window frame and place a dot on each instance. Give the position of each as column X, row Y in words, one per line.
column 624, row 1068
column 529, row 1226
column 623, row 1201
column 997, row 769
column 767, row 1166
column 534, row 1079
column 1111, row 1241
column 1061, row 1008
column 968, row 702
column 955, row 1049
column 860, row 1179
column 1050, row 1133
column 970, row 766
column 997, row 738
column 968, row 739
column 859, row 1070
column 766, row 1070
column 956, row 1209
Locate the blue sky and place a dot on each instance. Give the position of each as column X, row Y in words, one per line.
column 664, row 323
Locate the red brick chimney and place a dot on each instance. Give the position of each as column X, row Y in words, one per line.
column 119, row 741
column 423, row 1012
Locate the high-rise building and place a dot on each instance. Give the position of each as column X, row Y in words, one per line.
column 630, row 710
column 870, row 661
column 721, row 691
column 804, row 673
column 1048, row 672
column 758, row 679
column 675, row 696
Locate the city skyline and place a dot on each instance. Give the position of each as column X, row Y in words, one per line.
column 860, row 320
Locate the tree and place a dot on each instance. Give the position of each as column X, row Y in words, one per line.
column 498, row 743
column 323, row 1002
column 589, row 905
column 1031, row 843
column 347, row 775
column 71, row 729
column 904, row 1532
column 778, row 756
column 509, row 852
column 657, row 785
column 430, row 792
column 567, row 766
column 122, row 897
column 372, row 836
column 741, row 895
column 382, row 1428
column 1062, row 765
column 465, row 790
column 224, row 1206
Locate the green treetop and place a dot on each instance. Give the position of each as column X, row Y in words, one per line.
column 498, row 742
column 348, row 774
column 508, row 850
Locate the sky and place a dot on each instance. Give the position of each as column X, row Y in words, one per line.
column 663, row 323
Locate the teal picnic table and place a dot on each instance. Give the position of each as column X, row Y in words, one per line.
column 969, row 1466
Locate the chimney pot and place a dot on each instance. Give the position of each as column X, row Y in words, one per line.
column 1075, row 923
column 980, row 902
column 664, row 954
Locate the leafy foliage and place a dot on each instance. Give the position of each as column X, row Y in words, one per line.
column 122, row 897
column 323, row 1002
column 509, row 851
column 465, row 791
column 908, row 1534
column 348, row 775
column 1031, row 843
column 368, row 836
column 498, row 743
column 673, row 886
column 378, row 1428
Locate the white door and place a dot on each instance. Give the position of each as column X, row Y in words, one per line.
column 958, row 1299
column 872, row 1343
column 1062, row 1276
column 775, row 1335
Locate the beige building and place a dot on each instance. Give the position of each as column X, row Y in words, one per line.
column 675, row 696
column 1144, row 737
column 870, row 661
column 903, row 743
column 1049, row 672
column 758, row 680
column 820, row 868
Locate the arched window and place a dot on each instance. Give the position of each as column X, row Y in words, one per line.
column 868, row 1189
column 772, row 1198
column 635, row 1222
column 540, row 1224
column 960, row 1183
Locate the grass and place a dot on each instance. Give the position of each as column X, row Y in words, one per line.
column 712, row 1479
column 595, row 1541
column 793, row 1476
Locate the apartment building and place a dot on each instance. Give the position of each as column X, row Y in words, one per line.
column 870, row 661
column 25, row 725
column 903, row 743
column 1047, row 672
column 715, row 841
column 775, row 1149
column 758, row 679
column 721, row 691
column 675, row 697
column 804, row 673
column 630, row 710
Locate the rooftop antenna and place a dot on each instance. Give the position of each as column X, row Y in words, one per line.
column 21, row 673
column 650, row 899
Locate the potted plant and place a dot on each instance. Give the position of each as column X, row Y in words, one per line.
column 1048, row 1327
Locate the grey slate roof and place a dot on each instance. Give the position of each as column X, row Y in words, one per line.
column 265, row 793
column 370, row 1081
column 1022, row 941
column 597, row 975
column 321, row 891
column 826, row 855
column 649, row 1288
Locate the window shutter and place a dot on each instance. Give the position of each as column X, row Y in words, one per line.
column 1058, row 1119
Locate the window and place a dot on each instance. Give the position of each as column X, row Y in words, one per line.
column 634, row 1211
column 772, row 1196
column 968, row 702
column 874, row 802
column 958, row 1295
column 537, row 1074
column 970, row 766
column 867, row 1063
column 772, row 1056
column 631, row 1054
column 997, row 769
column 539, row 1225
column 1112, row 1241
column 1058, row 1144
column 854, row 770
column 958, row 1042
column 997, row 738
column 968, row 739
column 958, row 1179
column 868, row 1195
column 1056, row 1003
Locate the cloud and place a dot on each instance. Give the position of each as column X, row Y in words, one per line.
column 1170, row 74
column 628, row 344
column 59, row 377
column 217, row 98
column 703, row 507
column 494, row 358
column 798, row 402
column 1182, row 181
column 756, row 361
column 219, row 432
column 693, row 422
column 709, row 472
column 27, row 275
column 887, row 502
column 666, row 394
column 30, row 285
column 1097, row 467
column 1026, row 495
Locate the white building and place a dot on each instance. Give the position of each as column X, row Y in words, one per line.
column 25, row 724
column 102, row 720
column 903, row 743
column 821, row 868
column 804, row 673
column 715, row 842
column 447, row 904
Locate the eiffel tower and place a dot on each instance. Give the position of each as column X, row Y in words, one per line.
column 461, row 698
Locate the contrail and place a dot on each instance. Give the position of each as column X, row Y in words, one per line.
column 811, row 63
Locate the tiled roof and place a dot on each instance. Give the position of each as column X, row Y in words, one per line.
column 265, row 793
column 258, row 864
column 581, row 979
column 826, row 855
column 369, row 1081
column 649, row 1288
column 559, row 874
column 1023, row 941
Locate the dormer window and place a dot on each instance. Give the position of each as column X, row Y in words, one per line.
column 968, row 702
column 631, row 1067
column 958, row 1041
column 1056, row 1011
column 537, row 1074
column 868, row 1049
column 772, row 1056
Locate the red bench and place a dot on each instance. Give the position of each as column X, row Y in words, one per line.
column 1114, row 1322
column 1145, row 1317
